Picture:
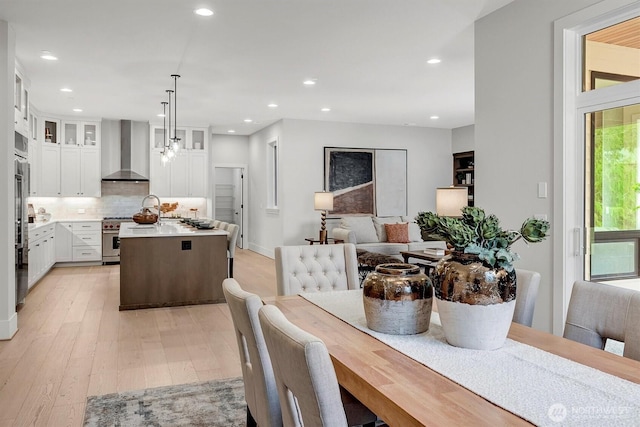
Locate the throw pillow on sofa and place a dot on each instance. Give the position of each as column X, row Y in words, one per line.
column 397, row 233
column 415, row 235
column 362, row 226
column 379, row 222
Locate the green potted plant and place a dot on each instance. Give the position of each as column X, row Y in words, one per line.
column 477, row 280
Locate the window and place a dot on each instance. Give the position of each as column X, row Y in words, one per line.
column 611, row 55
column 272, row 174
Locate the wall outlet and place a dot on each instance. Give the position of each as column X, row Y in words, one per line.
column 80, row 210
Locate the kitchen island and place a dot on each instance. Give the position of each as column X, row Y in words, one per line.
column 171, row 264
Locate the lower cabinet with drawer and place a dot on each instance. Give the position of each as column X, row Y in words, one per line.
column 79, row 241
column 41, row 252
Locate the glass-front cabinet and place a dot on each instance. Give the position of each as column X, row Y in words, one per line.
column 90, row 134
column 190, row 138
column 70, row 133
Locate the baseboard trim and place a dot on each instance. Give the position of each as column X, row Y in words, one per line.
column 262, row 251
column 9, row 327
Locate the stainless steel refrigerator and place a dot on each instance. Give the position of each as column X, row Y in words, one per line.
column 21, row 188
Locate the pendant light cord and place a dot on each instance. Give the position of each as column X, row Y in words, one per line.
column 175, row 107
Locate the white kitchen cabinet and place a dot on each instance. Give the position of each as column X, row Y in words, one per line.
column 34, row 156
column 160, row 175
column 21, row 104
column 186, row 175
column 50, row 170
column 79, row 241
column 180, row 175
column 64, row 242
column 41, row 252
column 80, row 159
column 198, row 177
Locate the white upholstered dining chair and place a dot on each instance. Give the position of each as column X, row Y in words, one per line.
column 232, row 238
column 316, row 268
column 527, row 283
column 263, row 405
column 306, row 380
column 598, row 312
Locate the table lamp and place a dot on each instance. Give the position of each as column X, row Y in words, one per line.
column 323, row 201
column 451, row 200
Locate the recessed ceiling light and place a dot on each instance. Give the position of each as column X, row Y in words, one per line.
column 48, row 56
column 434, row 61
column 231, row 131
column 66, row 89
column 248, row 120
column 434, row 117
column 309, row 82
column 272, row 105
column 325, row 109
column 78, row 110
column 160, row 115
column 203, row 12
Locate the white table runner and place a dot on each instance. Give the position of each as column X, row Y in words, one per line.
column 543, row 388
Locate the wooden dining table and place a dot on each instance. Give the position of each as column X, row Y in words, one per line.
column 404, row 392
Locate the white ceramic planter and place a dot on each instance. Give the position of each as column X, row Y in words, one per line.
column 479, row 327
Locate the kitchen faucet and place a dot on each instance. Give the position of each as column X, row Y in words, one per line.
column 158, row 199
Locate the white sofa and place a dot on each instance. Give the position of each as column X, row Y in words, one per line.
column 369, row 233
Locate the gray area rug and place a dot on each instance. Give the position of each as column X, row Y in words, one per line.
column 210, row 403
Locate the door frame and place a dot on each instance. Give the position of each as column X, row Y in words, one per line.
column 245, row 194
column 569, row 103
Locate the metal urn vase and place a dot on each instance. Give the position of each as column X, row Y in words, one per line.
column 397, row 299
column 475, row 302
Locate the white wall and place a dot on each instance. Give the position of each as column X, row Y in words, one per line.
column 302, row 145
column 266, row 227
column 514, row 124
column 8, row 316
column 229, row 149
column 463, row 139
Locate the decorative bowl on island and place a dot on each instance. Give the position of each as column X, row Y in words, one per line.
column 145, row 216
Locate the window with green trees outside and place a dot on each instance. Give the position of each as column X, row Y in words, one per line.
column 615, row 190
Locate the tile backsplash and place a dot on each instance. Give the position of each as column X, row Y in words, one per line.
column 124, row 204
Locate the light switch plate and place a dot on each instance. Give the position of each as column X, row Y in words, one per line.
column 542, row 190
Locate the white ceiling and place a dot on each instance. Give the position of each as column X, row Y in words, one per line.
column 368, row 56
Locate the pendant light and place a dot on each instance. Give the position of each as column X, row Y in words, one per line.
column 176, row 141
column 169, row 149
column 164, row 157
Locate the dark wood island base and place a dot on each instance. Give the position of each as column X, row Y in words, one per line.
column 171, row 271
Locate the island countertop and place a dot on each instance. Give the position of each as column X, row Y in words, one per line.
column 165, row 229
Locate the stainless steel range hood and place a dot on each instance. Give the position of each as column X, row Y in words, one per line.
column 125, row 173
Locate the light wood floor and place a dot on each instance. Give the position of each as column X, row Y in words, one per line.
column 73, row 343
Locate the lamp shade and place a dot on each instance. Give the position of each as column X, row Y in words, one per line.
column 323, row 201
column 451, row 200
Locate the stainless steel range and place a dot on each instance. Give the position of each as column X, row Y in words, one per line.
column 110, row 239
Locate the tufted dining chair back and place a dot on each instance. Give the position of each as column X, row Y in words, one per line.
column 316, row 268
column 598, row 312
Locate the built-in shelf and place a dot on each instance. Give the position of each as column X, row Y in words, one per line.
column 463, row 172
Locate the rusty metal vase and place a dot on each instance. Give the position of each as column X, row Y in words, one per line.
column 397, row 299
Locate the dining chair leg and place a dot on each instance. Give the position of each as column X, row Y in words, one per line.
column 250, row 421
column 231, row 267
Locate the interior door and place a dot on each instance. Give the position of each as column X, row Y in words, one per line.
column 229, row 198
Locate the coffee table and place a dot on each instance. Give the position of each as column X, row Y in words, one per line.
column 431, row 260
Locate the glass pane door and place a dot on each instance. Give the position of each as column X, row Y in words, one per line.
column 612, row 202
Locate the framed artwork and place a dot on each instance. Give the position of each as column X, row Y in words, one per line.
column 366, row 181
